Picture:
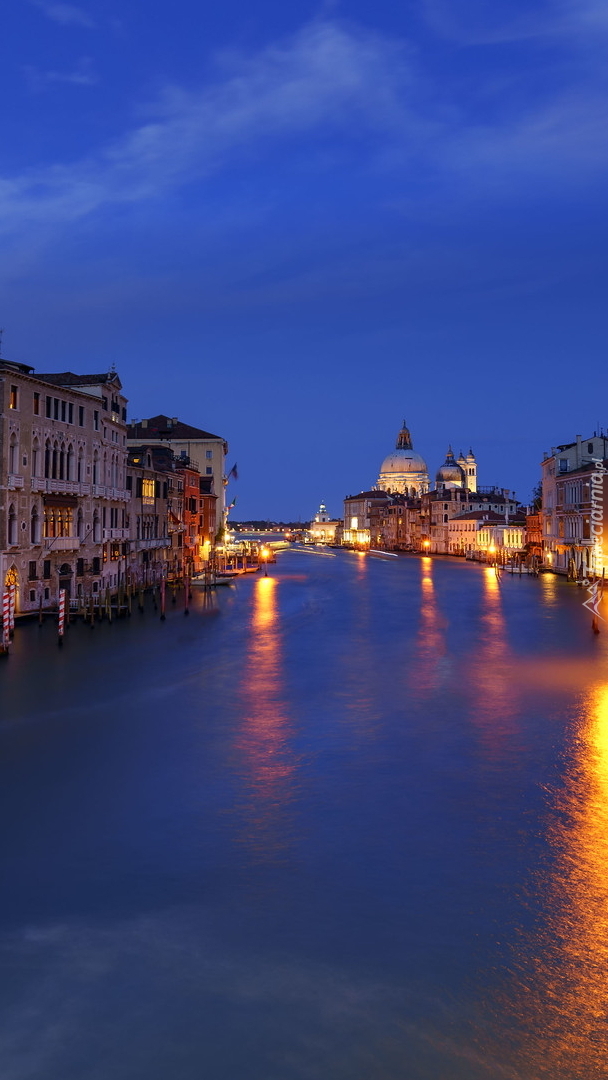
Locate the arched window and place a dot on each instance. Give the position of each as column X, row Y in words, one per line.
column 70, row 463
column 55, row 461
column 12, row 455
column 105, row 469
column 95, row 466
column 12, row 526
column 35, row 457
column 35, row 526
column 80, row 525
column 96, row 528
column 80, row 474
column 47, row 458
column 62, row 462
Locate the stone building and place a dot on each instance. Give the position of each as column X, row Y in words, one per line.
column 64, row 505
column 323, row 529
column 567, row 507
column 361, row 518
column 149, row 540
column 439, row 507
column 206, row 451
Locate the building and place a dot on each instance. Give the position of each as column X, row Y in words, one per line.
column 149, row 540
column 362, row 527
column 534, row 539
column 64, row 509
column 323, row 528
column 403, row 471
column 202, row 449
column 449, row 501
column 575, row 506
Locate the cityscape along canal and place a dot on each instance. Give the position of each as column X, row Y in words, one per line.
column 348, row 821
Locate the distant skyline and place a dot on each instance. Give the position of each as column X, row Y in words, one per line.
column 295, row 225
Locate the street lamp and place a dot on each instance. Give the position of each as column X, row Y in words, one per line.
column 264, row 553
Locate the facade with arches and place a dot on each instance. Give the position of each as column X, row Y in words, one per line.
column 64, row 502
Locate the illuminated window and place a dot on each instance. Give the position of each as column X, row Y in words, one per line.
column 147, row 490
column 12, row 401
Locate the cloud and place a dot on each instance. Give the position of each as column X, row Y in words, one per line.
column 326, row 78
column 66, row 14
column 82, row 75
column 330, row 81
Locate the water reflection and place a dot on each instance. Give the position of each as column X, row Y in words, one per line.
column 564, row 986
column 491, row 676
column 267, row 759
column 431, row 654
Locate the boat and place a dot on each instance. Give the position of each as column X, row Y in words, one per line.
column 211, row 581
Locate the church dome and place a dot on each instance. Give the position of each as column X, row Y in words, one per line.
column 403, row 461
column 403, row 469
column 450, row 472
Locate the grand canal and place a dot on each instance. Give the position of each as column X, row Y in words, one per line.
column 348, row 821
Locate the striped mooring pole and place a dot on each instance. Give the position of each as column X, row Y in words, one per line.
column 12, row 607
column 61, row 621
column 6, row 621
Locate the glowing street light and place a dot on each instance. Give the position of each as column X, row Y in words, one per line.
column 264, row 555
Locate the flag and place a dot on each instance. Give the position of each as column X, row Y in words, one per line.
column 233, row 472
column 233, row 503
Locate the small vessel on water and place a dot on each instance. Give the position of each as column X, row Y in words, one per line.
column 211, row 581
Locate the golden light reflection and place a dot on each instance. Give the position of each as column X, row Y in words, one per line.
column 430, row 657
column 564, row 996
column 490, row 676
column 549, row 585
column 268, row 762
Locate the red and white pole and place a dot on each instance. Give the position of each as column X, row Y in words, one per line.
column 6, row 620
column 61, row 624
column 12, row 606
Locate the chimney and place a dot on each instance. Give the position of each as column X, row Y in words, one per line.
column 144, row 424
column 174, row 421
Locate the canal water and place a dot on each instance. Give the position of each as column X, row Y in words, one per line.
column 346, row 822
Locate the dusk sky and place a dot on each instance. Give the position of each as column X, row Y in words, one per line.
column 296, row 224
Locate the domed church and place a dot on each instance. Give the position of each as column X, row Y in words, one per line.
column 403, row 471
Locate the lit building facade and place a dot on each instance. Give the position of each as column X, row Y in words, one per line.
column 203, row 449
column 323, row 529
column 64, row 504
column 571, row 500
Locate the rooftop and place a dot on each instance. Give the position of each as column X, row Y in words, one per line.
column 167, row 427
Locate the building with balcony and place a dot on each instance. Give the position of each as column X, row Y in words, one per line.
column 62, row 483
column 574, row 507
column 203, row 449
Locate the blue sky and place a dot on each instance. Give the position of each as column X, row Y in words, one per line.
column 297, row 224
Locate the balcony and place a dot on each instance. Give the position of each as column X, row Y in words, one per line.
column 57, row 487
column 116, row 534
column 101, row 491
column 61, row 543
column 157, row 542
column 14, row 482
